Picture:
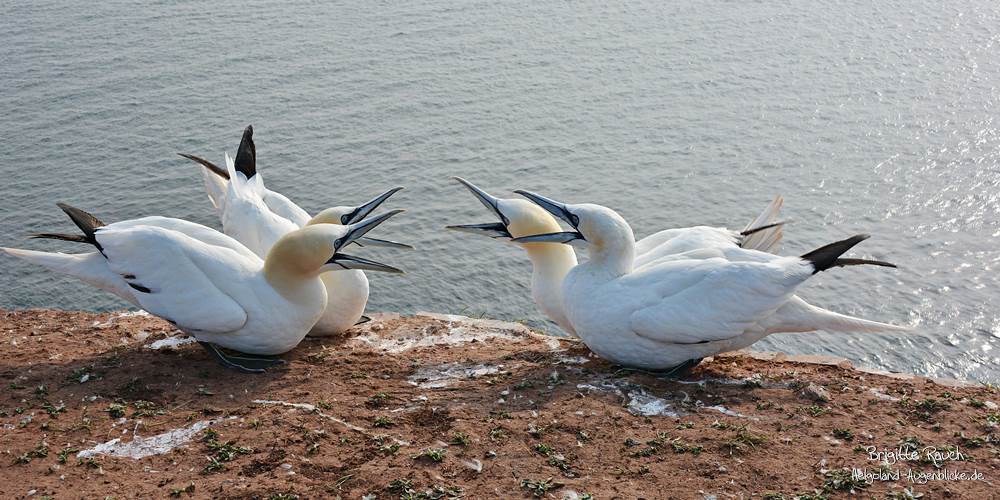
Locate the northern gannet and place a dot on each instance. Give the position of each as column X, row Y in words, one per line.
column 209, row 285
column 257, row 217
column 551, row 262
column 686, row 306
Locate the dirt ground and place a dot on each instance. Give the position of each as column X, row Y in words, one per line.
column 445, row 407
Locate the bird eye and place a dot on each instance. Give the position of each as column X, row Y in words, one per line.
column 574, row 219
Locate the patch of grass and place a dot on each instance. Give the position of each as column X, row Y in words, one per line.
column 40, row 451
column 177, row 492
column 63, row 455
column 89, row 462
column 41, row 391
column 377, row 400
column 214, row 465
column 497, row 433
column 117, row 410
column 905, row 494
column 324, row 405
column 460, row 439
column 523, row 385
column 910, row 443
column 843, row 480
column 743, row 439
column 382, row 422
column 540, row 487
column 223, row 451
column 977, row 403
column 432, row 454
column 543, row 449
column 52, row 410
column 722, row 425
column 536, row 431
column 816, row 410
column 925, row 409
column 559, row 461
column 145, row 409
column 844, row 434
column 386, row 445
column 400, row 485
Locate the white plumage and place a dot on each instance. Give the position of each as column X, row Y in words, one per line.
column 208, row 284
column 687, row 305
column 257, row 217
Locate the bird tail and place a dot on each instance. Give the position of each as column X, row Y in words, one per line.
column 798, row 315
column 87, row 223
column 91, row 268
column 828, row 256
column 764, row 232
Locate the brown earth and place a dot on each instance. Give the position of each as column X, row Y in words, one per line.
column 440, row 407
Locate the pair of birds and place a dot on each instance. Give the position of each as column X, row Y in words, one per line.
column 273, row 276
column 672, row 298
column 278, row 274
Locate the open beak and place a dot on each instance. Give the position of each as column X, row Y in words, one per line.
column 359, row 213
column 496, row 230
column 557, row 209
column 354, row 233
column 351, row 262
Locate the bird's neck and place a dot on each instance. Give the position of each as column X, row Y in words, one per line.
column 293, row 264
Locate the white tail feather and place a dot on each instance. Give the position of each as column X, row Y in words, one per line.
column 769, row 239
column 215, row 187
column 91, row 268
column 798, row 315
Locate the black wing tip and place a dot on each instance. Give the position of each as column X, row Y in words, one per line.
column 86, row 221
column 826, row 256
column 246, row 155
column 215, row 169
column 59, row 236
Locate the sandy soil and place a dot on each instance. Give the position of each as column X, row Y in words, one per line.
column 444, row 407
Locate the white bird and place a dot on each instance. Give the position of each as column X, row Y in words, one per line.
column 551, row 262
column 209, row 285
column 257, row 217
column 675, row 311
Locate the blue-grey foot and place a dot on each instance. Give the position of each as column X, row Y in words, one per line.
column 683, row 369
column 246, row 363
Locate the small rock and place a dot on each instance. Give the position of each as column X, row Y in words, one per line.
column 815, row 393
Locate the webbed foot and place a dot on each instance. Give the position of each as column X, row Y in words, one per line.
column 246, row 363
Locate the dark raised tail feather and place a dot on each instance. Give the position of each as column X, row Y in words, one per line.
column 246, row 156
column 825, row 257
column 87, row 223
column 207, row 164
column 862, row 262
column 61, row 236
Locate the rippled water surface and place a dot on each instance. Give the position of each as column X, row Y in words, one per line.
column 877, row 118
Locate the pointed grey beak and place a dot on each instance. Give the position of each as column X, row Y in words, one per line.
column 489, row 201
column 358, row 214
column 557, row 209
column 553, row 207
column 562, row 237
column 351, row 262
column 355, row 231
column 495, row 230
column 375, row 242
